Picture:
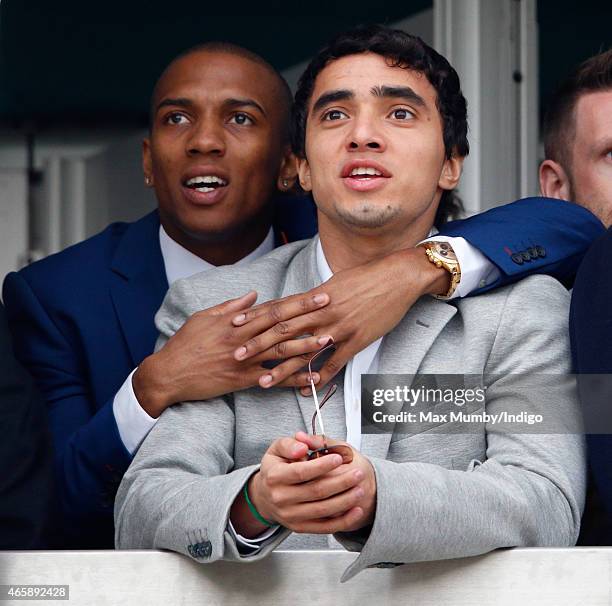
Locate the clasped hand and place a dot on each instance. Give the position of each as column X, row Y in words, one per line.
column 321, row 496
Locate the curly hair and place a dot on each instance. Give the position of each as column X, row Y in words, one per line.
column 404, row 51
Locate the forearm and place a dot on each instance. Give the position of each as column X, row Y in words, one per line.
column 90, row 462
column 426, row 512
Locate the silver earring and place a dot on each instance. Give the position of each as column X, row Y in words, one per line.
column 147, row 181
column 285, row 183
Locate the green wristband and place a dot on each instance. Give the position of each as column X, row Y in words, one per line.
column 254, row 511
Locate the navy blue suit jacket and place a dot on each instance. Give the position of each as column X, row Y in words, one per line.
column 82, row 320
column 591, row 336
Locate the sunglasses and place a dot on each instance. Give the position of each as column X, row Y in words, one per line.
column 345, row 451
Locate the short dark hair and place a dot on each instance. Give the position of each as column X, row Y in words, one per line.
column 559, row 128
column 238, row 51
column 405, row 51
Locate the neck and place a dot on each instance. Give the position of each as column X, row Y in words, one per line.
column 223, row 248
column 346, row 246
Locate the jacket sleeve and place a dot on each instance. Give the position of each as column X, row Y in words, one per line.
column 26, row 481
column 530, row 236
column 528, row 490
column 178, row 492
column 89, row 455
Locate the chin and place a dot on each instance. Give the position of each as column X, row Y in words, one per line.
column 367, row 216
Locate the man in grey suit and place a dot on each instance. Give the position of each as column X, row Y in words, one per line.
column 380, row 130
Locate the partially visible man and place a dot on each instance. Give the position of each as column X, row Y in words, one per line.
column 26, row 481
column 380, row 135
column 578, row 166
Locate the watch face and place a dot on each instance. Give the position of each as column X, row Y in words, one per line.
column 445, row 250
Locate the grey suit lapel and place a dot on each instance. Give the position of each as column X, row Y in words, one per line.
column 402, row 352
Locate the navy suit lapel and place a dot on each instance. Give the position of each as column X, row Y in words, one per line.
column 138, row 285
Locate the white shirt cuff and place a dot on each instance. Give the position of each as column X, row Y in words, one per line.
column 256, row 543
column 476, row 269
column 133, row 422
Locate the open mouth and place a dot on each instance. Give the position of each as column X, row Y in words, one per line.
column 205, row 183
column 365, row 173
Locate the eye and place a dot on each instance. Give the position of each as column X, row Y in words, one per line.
column 334, row 114
column 402, row 114
column 176, row 118
column 241, row 118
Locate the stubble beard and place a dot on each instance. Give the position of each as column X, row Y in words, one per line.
column 367, row 215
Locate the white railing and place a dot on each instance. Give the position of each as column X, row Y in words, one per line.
column 555, row 577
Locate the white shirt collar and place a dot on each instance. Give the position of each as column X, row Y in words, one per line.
column 180, row 263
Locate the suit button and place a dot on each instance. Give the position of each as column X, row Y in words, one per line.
column 526, row 256
column 541, row 251
column 200, row 551
column 533, row 252
column 517, row 258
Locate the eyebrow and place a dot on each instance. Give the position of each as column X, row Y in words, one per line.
column 246, row 102
column 332, row 97
column 394, row 92
column 230, row 103
column 180, row 102
column 399, row 92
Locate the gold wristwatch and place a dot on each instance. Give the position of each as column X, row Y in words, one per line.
column 441, row 254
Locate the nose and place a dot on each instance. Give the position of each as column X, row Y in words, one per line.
column 365, row 135
column 206, row 137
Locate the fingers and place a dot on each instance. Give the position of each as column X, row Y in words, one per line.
column 288, row 448
column 283, row 374
column 297, row 379
column 268, row 314
column 349, row 520
column 328, row 486
column 267, row 331
column 293, row 348
column 332, row 366
column 234, row 305
column 302, row 471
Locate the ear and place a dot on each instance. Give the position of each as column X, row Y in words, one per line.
column 451, row 172
column 304, row 174
column 288, row 170
column 147, row 163
column 554, row 181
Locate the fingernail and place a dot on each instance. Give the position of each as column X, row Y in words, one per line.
column 320, row 299
column 265, row 380
column 337, row 459
column 323, row 341
column 239, row 318
column 315, row 377
column 358, row 475
column 240, row 353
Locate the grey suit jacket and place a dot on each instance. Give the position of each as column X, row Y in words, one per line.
column 438, row 495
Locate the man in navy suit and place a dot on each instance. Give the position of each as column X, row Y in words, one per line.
column 216, row 154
